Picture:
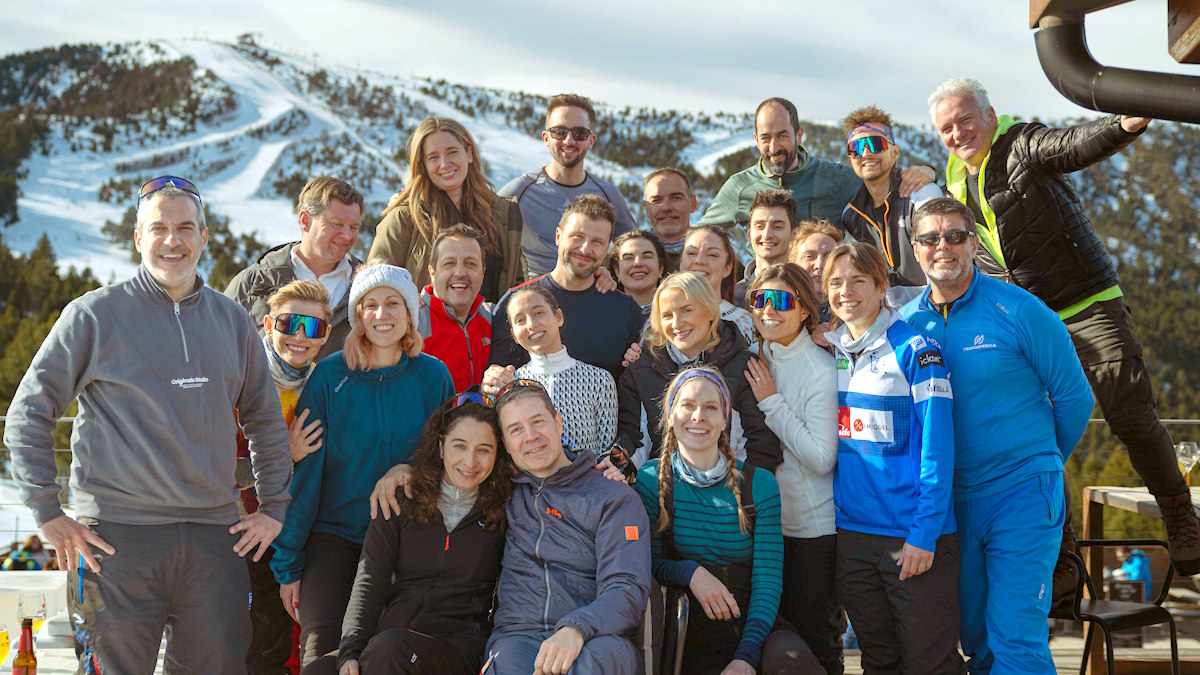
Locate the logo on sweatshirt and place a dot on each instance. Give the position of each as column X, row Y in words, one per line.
column 860, row 424
column 190, row 382
column 929, row 358
column 980, row 343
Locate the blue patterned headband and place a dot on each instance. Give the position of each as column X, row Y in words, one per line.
column 693, row 373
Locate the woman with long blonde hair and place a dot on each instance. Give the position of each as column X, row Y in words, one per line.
column 446, row 186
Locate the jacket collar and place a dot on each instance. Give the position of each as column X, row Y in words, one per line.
column 956, row 169
column 862, row 199
column 799, row 345
column 731, row 344
column 435, row 304
column 801, row 165
column 146, row 285
column 579, row 467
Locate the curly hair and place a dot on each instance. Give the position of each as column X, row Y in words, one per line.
column 429, row 467
column 792, row 276
column 863, row 115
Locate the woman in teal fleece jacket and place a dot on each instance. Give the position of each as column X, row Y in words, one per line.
column 372, row 400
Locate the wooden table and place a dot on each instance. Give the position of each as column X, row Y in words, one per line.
column 1136, row 500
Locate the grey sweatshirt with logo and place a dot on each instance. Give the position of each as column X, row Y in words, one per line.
column 157, row 383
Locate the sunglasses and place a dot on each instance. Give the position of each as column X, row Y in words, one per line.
column 578, row 133
column 872, row 144
column 953, row 237
column 472, row 397
column 311, row 326
column 781, row 300
column 155, row 184
column 519, row 383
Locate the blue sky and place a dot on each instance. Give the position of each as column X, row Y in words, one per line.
column 828, row 57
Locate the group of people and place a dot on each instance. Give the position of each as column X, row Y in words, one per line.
column 436, row 448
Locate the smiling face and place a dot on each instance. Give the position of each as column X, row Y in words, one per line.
column 811, row 254
column 853, row 296
column 533, row 436
column 170, row 239
column 446, row 161
column 776, row 139
column 697, row 417
column 686, row 325
column 705, row 253
column 769, row 234
column 457, row 273
column 966, row 129
column 468, row 453
column 568, row 152
column 326, row 238
column 383, row 316
column 944, row 263
column 638, row 266
column 534, row 324
column 774, row 325
column 669, row 207
column 296, row 350
column 582, row 243
column 873, row 165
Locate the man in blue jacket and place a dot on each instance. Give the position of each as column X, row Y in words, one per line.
column 1021, row 404
column 576, row 568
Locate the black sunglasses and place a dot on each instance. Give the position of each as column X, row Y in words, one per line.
column 155, row 184
column 953, row 237
column 578, row 133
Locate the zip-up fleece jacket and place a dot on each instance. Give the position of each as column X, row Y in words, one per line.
column 1023, row 400
column 464, row 346
column 891, row 233
column 1037, row 234
column 272, row 271
column 821, row 189
column 372, row 421
column 895, row 467
column 157, row 383
column 422, row 578
column 577, row 553
column 643, row 385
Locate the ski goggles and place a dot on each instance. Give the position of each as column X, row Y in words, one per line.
column 781, row 300
column 312, row 327
column 953, row 237
column 155, row 184
column 868, row 144
column 580, row 134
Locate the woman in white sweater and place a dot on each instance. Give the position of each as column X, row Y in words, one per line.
column 797, row 393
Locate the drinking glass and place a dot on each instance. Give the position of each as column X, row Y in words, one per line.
column 1188, row 455
column 3, row 642
column 32, row 606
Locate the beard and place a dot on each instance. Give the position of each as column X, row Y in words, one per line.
column 578, row 269
column 779, row 164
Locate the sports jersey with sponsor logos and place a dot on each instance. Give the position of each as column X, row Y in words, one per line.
column 895, row 465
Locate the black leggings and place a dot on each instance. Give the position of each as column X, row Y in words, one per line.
column 325, row 585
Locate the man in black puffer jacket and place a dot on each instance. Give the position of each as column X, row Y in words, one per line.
column 1036, row 235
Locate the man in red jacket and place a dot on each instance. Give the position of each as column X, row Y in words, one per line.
column 455, row 324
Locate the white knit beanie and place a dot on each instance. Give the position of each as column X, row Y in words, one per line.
column 391, row 276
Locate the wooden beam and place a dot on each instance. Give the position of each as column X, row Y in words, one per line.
column 1042, row 8
column 1183, row 30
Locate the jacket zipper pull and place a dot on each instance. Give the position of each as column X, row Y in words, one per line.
column 447, row 542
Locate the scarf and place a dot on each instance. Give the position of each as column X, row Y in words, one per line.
column 693, row 476
column 876, row 331
column 286, row 377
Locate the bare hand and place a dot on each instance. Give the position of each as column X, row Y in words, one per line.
column 383, row 497
column 610, row 471
column 495, row 378
column 290, row 595
column 67, row 537
column 914, row 561
column 914, row 178
column 738, row 667
column 631, row 355
column 558, row 652
column 258, row 530
column 304, row 440
column 604, row 281
column 717, row 601
column 349, row 668
column 1132, row 125
column 818, row 335
column 759, row 377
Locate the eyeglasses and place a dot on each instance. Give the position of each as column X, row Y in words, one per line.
column 472, row 397
column 519, row 383
column 953, row 237
column 874, row 144
column 780, row 299
column 578, row 133
column 155, row 184
column 290, row 324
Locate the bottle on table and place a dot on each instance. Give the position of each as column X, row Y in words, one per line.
column 25, row 662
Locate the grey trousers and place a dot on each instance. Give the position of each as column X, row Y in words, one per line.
column 184, row 578
column 602, row 655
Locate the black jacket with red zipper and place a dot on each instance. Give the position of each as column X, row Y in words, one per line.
column 867, row 224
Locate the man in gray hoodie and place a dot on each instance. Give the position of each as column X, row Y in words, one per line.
column 158, row 364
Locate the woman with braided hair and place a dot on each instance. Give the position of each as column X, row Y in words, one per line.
column 715, row 530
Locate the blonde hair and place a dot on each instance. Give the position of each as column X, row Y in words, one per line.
column 301, row 291
column 358, row 350
column 666, row 469
column 698, row 291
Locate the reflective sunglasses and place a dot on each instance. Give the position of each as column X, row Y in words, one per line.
column 472, row 397
column 953, row 237
column 311, row 326
column 578, row 133
column 155, row 184
column 520, row 383
column 780, row 299
column 873, row 144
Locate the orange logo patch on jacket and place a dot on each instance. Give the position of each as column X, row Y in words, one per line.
column 631, row 533
column 553, row 512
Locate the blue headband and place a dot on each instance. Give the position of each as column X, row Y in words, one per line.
column 693, row 373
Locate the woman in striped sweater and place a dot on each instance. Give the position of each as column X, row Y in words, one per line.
column 716, row 532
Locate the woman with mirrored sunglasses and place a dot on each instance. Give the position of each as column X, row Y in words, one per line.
column 446, row 186
column 795, row 383
column 423, row 592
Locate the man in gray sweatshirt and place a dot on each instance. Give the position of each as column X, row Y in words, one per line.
column 158, row 364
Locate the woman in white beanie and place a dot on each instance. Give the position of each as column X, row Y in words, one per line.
column 372, row 400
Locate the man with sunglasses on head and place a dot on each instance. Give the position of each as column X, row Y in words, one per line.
column 821, row 188
column 878, row 214
column 329, row 212
column 544, row 194
column 1035, row 234
column 158, row 364
column 1021, row 403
